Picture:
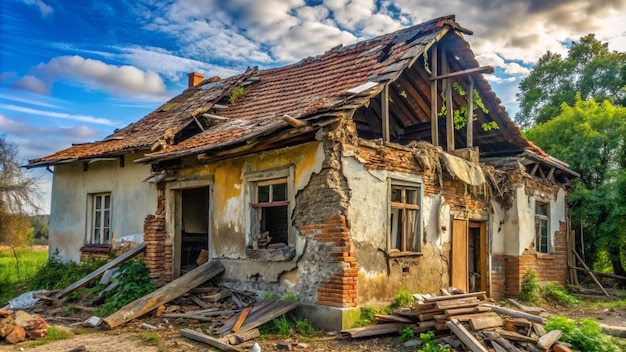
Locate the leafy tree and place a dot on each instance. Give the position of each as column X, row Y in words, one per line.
column 17, row 196
column 591, row 138
column 589, row 69
column 39, row 224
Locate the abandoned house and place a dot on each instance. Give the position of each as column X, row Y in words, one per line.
column 345, row 177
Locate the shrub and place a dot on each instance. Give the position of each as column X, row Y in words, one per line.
column 406, row 333
column 584, row 335
column 58, row 274
column 558, row 294
column 530, row 287
column 135, row 283
column 428, row 345
column 367, row 316
column 402, row 298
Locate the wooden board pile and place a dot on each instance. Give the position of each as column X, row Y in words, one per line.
column 17, row 326
column 471, row 321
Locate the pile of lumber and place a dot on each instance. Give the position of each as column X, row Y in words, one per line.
column 17, row 326
column 467, row 319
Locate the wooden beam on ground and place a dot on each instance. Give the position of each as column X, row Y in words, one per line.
column 165, row 294
column 446, row 298
column 546, row 341
column 375, row 330
column 96, row 273
column 515, row 336
column 591, row 273
column 515, row 313
column 242, row 317
column 217, row 343
column 482, row 69
column 465, row 336
column 236, row 339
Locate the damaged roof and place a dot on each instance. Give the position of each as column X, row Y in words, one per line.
column 210, row 116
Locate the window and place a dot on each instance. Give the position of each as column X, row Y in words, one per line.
column 404, row 218
column 101, row 219
column 542, row 240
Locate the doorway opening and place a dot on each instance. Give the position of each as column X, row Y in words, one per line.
column 194, row 227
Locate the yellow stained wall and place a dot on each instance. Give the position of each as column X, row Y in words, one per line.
column 229, row 205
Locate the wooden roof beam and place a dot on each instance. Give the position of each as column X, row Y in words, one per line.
column 482, row 69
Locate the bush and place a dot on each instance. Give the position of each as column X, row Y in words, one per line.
column 367, row 316
column 285, row 327
column 530, row 288
column 402, row 298
column 134, row 282
column 584, row 335
column 558, row 294
column 57, row 274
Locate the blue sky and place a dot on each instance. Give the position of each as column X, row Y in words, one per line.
column 73, row 71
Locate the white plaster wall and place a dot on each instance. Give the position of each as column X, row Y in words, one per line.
column 367, row 210
column 497, row 226
column 519, row 221
column 132, row 200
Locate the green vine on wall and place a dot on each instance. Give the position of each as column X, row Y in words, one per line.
column 459, row 116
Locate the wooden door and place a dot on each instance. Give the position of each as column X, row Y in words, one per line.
column 459, row 277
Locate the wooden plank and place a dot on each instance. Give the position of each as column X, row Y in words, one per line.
column 96, row 273
column 443, row 306
column 276, row 310
column 546, row 341
column 198, row 301
column 449, row 120
column 384, row 105
column 469, row 310
column 561, row 347
column 515, row 336
column 165, row 294
column 392, row 318
column 470, row 114
column 242, row 317
column 515, row 313
column 591, row 273
column 459, row 243
column 504, row 344
column 539, row 329
column 485, row 322
column 219, row 344
column 465, row 336
column 446, row 298
column 258, row 308
column 468, row 317
column 236, row 339
column 375, row 330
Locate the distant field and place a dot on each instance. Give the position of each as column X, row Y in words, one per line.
column 11, row 280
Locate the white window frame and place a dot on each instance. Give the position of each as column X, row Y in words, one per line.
column 541, row 218
column 404, row 207
column 100, row 225
column 268, row 177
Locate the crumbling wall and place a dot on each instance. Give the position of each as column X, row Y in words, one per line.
column 158, row 255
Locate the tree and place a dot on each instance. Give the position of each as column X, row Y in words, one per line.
column 591, row 138
column 18, row 195
column 589, row 69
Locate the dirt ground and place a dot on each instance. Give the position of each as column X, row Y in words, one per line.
column 131, row 337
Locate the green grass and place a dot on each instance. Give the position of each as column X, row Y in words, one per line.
column 11, row 280
column 149, row 338
column 53, row 334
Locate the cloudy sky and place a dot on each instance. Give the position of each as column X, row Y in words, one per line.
column 73, row 71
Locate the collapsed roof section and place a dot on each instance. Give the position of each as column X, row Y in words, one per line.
column 263, row 109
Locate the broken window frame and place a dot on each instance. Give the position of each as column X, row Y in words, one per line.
column 100, row 220
column 542, row 240
column 269, row 178
column 404, row 208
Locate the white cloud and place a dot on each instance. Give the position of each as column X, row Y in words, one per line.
column 21, row 129
column 44, row 8
column 96, row 74
column 60, row 115
column 33, row 84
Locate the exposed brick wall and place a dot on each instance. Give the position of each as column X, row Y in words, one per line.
column 86, row 256
column 498, row 277
column 158, row 255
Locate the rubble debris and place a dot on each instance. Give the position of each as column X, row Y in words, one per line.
column 164, row 294
column 17, row 326
column 261, row 312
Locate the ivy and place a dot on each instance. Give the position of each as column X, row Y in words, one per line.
column 459, row 116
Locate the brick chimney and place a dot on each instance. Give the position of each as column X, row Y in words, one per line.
column 194, row 79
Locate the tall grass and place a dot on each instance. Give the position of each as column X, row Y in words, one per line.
column 12, row 276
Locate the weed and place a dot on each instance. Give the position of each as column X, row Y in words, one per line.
column 80, row 331
column 367, row 316
column 304, row 327
column 584, row 334
column 406, row 334
column 558, row 294
column 621, row 304
column 402, row 298
column 234, row 94
column 530, row 287
column 270, row 295
column 291, row 296
column 135, row 283
column 58, row 274
column 288, row 327
column 52, row 334
column 428, row 345
column 149, row 337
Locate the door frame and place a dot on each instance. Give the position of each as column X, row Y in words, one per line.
column 173, row 213
column 459, row 253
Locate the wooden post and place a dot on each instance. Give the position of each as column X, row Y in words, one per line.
column 164, row 294
column 447, row 83
column 112, row 264
column 434, row 118
column 384, row 107
column 470, row 114
column 591, row 274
